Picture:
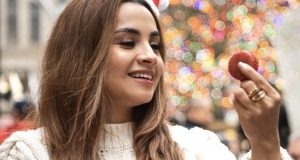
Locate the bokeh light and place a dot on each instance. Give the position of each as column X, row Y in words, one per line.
column 202, row 35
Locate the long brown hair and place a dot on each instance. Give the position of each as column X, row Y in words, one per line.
column 74, row 100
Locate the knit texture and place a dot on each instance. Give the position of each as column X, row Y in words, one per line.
column 116, row 144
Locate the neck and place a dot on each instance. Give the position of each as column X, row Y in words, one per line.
column 121, row 115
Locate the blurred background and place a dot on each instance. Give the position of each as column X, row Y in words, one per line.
column 201, row 36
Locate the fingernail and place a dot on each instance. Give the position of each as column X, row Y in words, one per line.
column 242, row 65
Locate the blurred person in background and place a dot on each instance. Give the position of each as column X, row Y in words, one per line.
column 283, row 126
column 18, row 108
column 20, row 122
column 286, row 42
column 197, row 113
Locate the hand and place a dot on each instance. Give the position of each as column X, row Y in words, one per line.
column 259, row 119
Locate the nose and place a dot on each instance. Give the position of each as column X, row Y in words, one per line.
column 147, row 56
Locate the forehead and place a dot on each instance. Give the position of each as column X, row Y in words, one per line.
column 134, row 15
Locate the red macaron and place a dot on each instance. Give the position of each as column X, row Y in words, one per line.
column 241, row 56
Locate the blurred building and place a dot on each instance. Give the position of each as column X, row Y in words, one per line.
column 25, row 28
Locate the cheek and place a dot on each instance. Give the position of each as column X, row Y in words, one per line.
column 117, row 60
column 114, row 61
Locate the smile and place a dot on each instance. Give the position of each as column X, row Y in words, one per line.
column 141, row 75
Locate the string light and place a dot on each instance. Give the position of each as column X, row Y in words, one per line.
column 201, row 35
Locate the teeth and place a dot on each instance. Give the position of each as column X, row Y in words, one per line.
column 141, row 75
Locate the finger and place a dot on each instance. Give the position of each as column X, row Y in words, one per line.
column 249, row 86
column 242, row 97
column 241, row 110
column 258, row 79
column 253, row 107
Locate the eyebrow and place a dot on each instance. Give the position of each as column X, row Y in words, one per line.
column 134, row 31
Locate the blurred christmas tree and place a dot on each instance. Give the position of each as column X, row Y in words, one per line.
column 201, row 36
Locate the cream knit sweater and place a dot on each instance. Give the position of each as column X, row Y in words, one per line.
column 116, row 144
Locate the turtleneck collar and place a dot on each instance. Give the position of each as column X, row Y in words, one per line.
column 117, row 136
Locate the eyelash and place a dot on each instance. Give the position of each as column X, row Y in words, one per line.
column 155, row 46
column 128, row 44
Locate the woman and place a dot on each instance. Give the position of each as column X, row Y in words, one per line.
column 102, row 94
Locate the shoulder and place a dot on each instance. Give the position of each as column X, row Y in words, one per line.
column 24, row 145
column 200, row 143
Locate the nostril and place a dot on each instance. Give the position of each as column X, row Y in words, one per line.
column 146, row 61
column 149, row 61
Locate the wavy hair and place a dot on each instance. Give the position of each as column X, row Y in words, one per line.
column 74, row 101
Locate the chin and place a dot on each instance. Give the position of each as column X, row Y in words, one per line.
column 144, row 99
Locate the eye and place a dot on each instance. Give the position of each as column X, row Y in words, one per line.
column 155, row 46
column 127, row 44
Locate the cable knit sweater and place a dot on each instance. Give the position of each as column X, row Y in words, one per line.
column 116, row 144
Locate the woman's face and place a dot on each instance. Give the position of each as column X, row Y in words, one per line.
column 135, row 65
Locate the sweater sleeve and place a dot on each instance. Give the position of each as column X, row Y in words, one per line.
column 283, row 153
column 24, row 145
column 200, row 144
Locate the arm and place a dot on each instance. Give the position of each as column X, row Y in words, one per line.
column 259, row 119
column 14, row 151
column 24, row 145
